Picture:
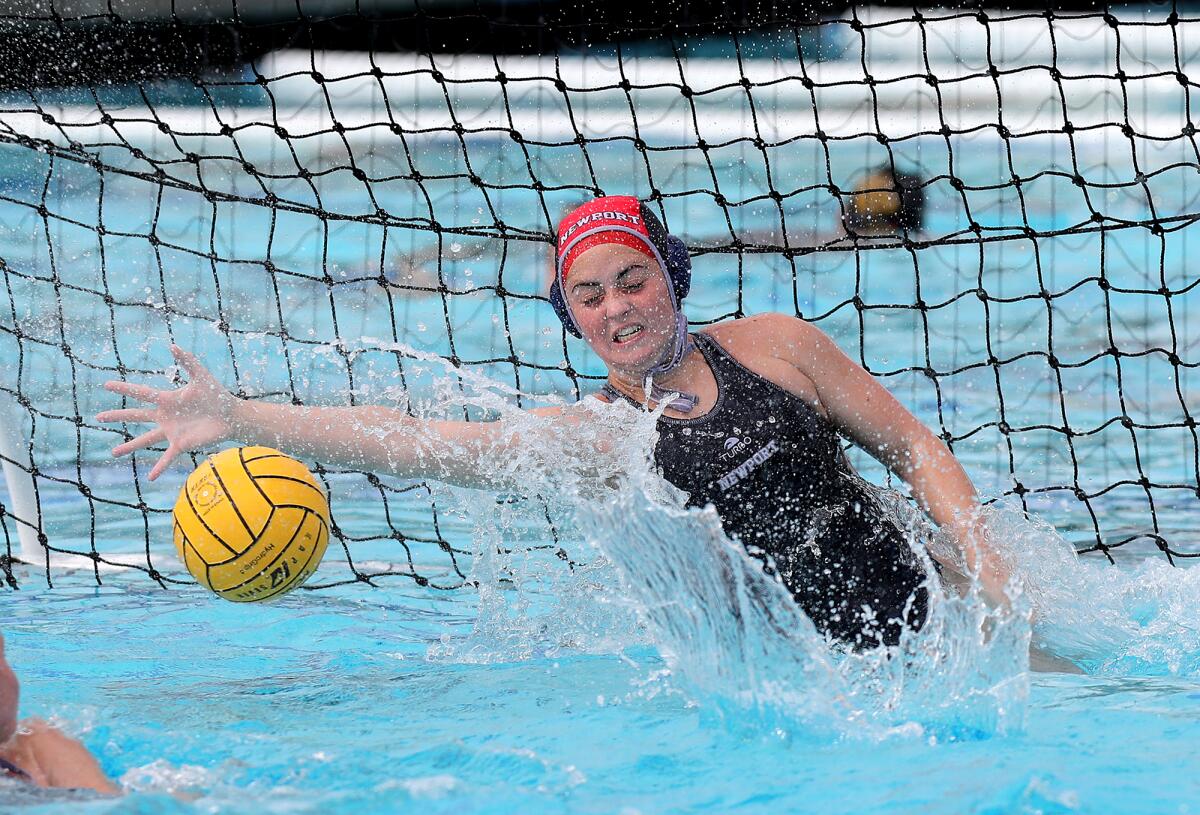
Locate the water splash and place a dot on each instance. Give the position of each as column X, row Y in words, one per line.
column 736, row 637
column 643, row 567
column 535, row 602
column 1136, row 619
column 730, row 633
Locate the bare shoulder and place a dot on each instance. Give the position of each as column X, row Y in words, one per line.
column 774, row 334
column 55, row 759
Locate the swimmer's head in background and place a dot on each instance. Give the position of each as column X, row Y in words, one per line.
column 885, row 203
column 8, row 698
column 620, row 219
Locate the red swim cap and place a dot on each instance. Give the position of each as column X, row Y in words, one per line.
column 619, row 219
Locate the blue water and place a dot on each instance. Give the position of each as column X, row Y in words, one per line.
column 618, row 655
column 326, row 702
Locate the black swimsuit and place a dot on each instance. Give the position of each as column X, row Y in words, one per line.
column 775, row 471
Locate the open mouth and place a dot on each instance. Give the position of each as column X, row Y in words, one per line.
column 628, row 333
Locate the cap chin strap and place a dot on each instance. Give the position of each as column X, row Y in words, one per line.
column 681, row 402
column 676, row 400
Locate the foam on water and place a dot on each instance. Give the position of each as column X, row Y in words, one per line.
column 1138, row 620
column 161, row 776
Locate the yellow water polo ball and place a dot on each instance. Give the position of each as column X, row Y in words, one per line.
column 251, row 524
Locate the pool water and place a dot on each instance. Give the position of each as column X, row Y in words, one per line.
column 556, row 651
column 328, row 702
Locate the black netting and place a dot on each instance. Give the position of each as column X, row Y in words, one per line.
column 989, row 210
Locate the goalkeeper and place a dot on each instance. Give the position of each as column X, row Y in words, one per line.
column 754, row 409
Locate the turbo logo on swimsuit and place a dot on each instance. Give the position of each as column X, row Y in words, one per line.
column 735, row 445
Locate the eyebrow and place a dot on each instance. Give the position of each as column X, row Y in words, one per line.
column 592, row 284
column 631, row 267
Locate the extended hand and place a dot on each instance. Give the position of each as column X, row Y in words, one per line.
column 195, row 415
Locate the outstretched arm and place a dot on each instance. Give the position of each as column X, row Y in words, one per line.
column 377, row 439
column 374, row 438
column 870, row 416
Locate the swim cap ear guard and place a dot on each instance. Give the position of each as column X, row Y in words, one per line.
column 670, row 248
column 560, row 307
column 679, row 267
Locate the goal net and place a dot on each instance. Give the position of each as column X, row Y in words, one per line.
column 990, row 211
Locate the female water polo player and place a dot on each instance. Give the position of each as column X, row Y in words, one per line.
column 755, row 408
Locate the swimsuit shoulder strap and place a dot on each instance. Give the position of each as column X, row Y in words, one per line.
column 708, row 343
column 721, row 362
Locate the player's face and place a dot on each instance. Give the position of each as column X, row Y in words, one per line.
column 8, row 698
column 620, row 301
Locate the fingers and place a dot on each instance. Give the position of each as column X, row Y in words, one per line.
column 143, row 393
column 188, row 361
column 126, row 415
column 164, row 461
column 195, row 370
column 145, row 440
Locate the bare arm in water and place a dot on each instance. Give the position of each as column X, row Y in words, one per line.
column 43, row 754
column 368, row 437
